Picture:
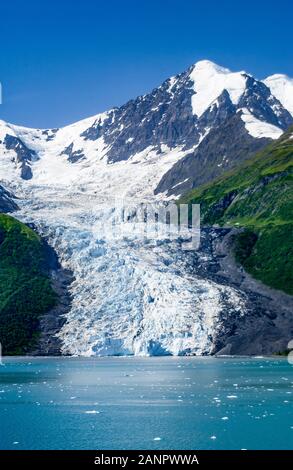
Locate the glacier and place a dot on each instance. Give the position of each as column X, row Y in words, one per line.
column 134, row 295
column 131, row 295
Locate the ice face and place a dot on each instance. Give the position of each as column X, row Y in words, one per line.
column 130, row 295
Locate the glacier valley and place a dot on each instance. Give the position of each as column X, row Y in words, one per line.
column 130, row 295
column 134, row 295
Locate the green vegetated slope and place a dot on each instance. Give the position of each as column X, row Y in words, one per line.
column 25, row 287
column 258, row 196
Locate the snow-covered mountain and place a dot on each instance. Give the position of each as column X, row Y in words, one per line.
column 187, row 115
column 281, row 87
column 133, row 295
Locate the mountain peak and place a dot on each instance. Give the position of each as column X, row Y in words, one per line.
column 210, row 80
column 209, row 65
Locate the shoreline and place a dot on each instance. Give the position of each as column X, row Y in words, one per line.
column 29, row 358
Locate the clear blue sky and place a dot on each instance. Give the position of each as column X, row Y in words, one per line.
column 65, row 60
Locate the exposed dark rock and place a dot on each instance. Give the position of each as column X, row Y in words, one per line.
column 225, row 147
column 73, row 155
column 224, row 203
column 165, row 117
column 24, row 155
column 7, row 201
column 263, row 105
column 267, row 325
column 51, row 323
column 96, row 130
column 50, row 133
column 26, row 171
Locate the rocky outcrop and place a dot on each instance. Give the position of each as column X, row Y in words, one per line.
column 7, row 201
column 73, row 155
column 52, row 321
column 267, row 325
column 224, row 148
column 165, row 117
column 24, row 155
column 264, row 106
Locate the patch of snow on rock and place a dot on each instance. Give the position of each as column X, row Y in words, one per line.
column 258, row 128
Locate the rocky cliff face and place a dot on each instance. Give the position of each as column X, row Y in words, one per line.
column 7, row 201
column 223, row 148
column 267, row 326
column 257, row 196
column 23, row 155
column 50, row 320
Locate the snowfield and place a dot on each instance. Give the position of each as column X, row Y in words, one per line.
column 258, row 128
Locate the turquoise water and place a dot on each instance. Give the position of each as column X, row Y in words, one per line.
column 146, row 403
